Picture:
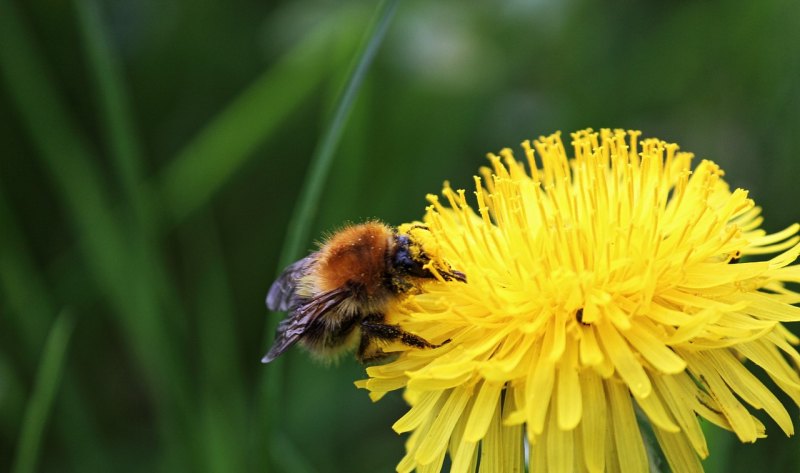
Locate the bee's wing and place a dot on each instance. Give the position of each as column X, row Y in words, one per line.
column 300, row 319
column 282, row 295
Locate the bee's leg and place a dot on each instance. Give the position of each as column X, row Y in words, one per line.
column 374, row 328
column 368, row 350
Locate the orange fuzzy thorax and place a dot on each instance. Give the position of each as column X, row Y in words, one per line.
column 355, row 255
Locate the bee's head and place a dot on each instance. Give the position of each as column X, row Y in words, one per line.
column 415, row 254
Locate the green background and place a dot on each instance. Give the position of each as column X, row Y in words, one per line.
column 152, row 153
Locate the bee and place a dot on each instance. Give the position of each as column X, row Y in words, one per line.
column 338, row 296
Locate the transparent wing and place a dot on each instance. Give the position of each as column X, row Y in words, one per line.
column 296, row 324
column 282, row 294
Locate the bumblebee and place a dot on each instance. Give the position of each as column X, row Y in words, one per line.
column 337, row 296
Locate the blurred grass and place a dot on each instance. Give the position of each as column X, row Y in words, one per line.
column 113, row 105
column 152, row 155
column 222, row 393
column 25, row 292
column 40, row 401
column 190, row 179
column 720, row 443
column 104, row 234
column 113, row 253
column 300, row 224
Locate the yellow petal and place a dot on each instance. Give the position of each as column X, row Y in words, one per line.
column 591, row 354
column 674, row 397
column 624, row 361
column 631, row 454
column 435, row 442
column 386, row 384
column 559, row 447
column 593, row 425
column 706, row 275
column 466, row 458
column 656, row 413
column 538, row 456
column 568, row 391
column 462, row 453
column 513, row 459
column 767, row 308
column 654, row 350
column 771, row 361
column 678, row 451
column 505, row 443
column 538, row 391
column 407, row 463
column 419, row 412
column 482, row 411
column 743, row 424
column 749, row 388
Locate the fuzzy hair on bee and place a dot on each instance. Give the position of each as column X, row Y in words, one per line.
column 337, row 297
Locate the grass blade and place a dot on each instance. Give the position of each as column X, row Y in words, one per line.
column 720, row 443
column 30, row 314
column 62, row 148
column 223, row 147
column 221, row 393
column 22, row 286
column 310, row 194
column 111, row 252
column 291, row 458
column 114, row 105
column 305, row 210
column 70, row 164
column 46, row 385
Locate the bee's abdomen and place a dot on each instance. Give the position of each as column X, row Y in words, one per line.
column 331, row 333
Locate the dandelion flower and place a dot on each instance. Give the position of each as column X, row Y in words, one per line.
column 614, row 284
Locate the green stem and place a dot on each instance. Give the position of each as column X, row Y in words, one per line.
column 113, row 103
column 44, row 392
column 299, row 227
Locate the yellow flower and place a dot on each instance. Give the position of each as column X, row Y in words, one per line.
column 597, row 286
